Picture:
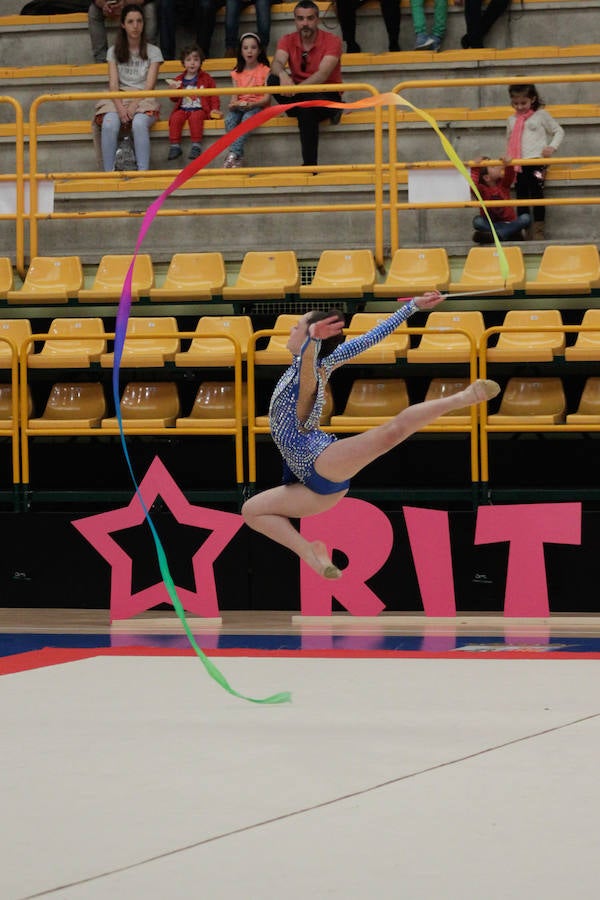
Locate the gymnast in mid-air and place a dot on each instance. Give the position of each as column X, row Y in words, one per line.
column 318, row 467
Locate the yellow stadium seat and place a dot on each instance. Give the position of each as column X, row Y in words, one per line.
column 192, row 276
column 531, row 401
column 110, row 277
column 81, row 352
column 446, row 387
column 567, row 270
column 150, row 350
column 214, row 407
column 482, row 271
column 72, row 405
column 147, row 405
column 415, row 270
column 268, row 275
column 217, row 352
column 587, row 343
column 328, row 407
column 276, row 352
column 342, row 273
column 372, row 402
column 529, row 345
column 6, row 277
column 588, row 411
column 18, row 330
column 50, row 279
column 6, row 405
column 444, row 346
column 388, row 350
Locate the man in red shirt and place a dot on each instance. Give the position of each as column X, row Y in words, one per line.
column 308, row 55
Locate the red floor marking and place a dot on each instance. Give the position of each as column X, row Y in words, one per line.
column 54, row 656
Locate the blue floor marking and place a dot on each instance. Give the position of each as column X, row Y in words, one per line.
column 12, row 643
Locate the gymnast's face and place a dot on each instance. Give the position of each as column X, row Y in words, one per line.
column 298, row 335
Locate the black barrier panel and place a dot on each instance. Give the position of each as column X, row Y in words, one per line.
column 46, row 562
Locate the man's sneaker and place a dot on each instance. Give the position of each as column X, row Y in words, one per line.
column 437, row 43
column 483, row 237
column 195, row 151
column 174, row 151
column 231, row 161
column 423, row 42
column 238, row 162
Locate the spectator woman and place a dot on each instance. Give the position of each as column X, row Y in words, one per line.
column 132, row 66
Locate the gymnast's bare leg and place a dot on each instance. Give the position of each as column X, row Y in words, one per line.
column 270, row 512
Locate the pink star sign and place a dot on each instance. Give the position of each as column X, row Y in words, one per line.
column 97, row 531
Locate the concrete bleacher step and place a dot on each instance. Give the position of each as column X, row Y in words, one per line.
column 64, row 39
column 472, row 133
column 383, row 71
column 473, row 120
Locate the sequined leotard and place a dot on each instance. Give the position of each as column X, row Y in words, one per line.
column 300, row 443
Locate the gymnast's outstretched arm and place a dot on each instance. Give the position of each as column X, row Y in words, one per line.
column 351, row 348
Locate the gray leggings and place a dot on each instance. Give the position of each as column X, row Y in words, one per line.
column 140, row 130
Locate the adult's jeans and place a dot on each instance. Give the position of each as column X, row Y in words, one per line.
column 390, row 11
column 504, row 230
column 233, row 9
column 480, row 21
column 140, row 130
column 203, row 16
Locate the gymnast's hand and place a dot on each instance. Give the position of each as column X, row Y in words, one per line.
column 428, row 300
column 325, row 328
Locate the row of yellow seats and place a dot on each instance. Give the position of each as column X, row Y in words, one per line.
column 563, row 269
column 73, row 405
column 525, row 401
column 80, row 342
column 275, row 275
column 191, row 277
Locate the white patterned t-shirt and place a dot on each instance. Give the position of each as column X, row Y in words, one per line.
column 133, row 73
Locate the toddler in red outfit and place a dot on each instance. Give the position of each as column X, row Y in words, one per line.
column 494, row 183
column 191, row 109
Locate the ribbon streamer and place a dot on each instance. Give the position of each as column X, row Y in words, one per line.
column 125, row 307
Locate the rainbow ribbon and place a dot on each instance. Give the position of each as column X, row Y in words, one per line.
column 125, row 307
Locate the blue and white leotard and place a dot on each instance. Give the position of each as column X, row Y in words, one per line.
column 300, row 443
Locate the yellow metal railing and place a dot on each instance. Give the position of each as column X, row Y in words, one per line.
column 486, row 427
column 130, row 428
column 255, row 429
column 11, row 428
column 376, row 169
column 449, row 83
column 19, row 178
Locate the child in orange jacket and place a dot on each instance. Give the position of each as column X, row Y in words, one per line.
column 193, row 110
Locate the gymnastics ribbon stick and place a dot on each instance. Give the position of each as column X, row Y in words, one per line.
column 124, row 309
